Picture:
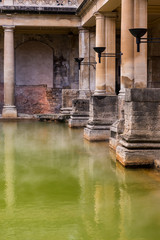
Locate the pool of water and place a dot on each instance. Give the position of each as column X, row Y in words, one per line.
column 54, row 185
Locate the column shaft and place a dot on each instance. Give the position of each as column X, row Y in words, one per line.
column 110, row 44
column 9, row 109
column 100, row 42
column 92, row 59
column 127, row 44
column 140, row 58
column 84, row 74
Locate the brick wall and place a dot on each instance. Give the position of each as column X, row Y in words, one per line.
column 35, row 99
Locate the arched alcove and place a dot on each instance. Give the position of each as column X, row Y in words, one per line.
column 34, row 64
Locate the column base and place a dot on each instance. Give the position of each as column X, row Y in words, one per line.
column 100, row 93
column 85, row 94
column 66, row 111
column 9, row 112
column 80, row 113
column 137, row 157
column 78, row 122
column 97, row 133
column 103, row 113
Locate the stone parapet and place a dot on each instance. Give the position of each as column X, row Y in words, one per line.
column 140, row 142
column 44, row 3
column 103, row 113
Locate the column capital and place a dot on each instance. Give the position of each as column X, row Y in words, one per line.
column 99, row 15
column 110, row 14
column 83, row 29
column 8, row 28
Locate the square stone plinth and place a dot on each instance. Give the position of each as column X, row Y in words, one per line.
column 137, row 157
column 9, row 112
column 80, row 113
column 78, row 122
column 96, row 134
column 102, row 114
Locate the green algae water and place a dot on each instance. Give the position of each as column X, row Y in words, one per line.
column 54, row 185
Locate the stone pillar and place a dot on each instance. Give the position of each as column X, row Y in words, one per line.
column 92, row 35
column 110, row 44
column 100, row 68
column 9, row 110
column 84, row 78
column 103, row 108
column 80, row 106
column 8, row 2
column 127, row 45
column 127, row 67
column 140, row 58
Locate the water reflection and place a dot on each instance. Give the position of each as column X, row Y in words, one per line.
column 9, row 130
column 59, row 186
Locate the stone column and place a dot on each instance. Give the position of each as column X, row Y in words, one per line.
column 100, row 68
column 80, row 106
column 140, row 58
column 84, row 78
column 9, row 110
column 8, row 2
column 110, row 44
column 127, row 45
column 92, row 35
column 127, row 67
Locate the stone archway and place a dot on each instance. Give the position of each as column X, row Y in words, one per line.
column 34, row 64
column 34, row 77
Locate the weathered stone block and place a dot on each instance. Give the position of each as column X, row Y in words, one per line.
column 103, row 108
column 134, row 157
column 80, row 106
column 67, row 96
column 103, row 113
column 116, row 129
column 9, row 112
column 77, row 122
column 142, row 95
column 80, row 113
column 96, row 134
column 140, row 141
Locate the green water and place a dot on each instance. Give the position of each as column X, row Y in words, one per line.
column 54, row 185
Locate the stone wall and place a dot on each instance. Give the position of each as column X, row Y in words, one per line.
column 154, row 58
column 44, row 65
column 34, row 64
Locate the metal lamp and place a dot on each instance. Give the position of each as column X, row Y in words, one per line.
column 138, row 33
column 80, row 62
column 100, row 51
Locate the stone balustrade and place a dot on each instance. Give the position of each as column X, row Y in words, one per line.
column 48, row 3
